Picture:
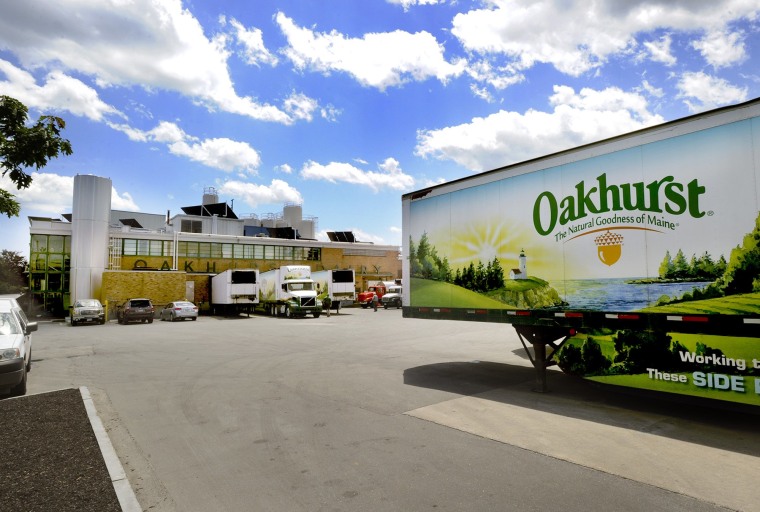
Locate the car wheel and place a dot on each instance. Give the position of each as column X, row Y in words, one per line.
column 29, row 364
column 194, row 318
column 365, row 305
column 287, row 312
column 20, row 388
column 150, row 320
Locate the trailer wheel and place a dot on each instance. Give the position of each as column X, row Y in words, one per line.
column 316, row 315
column 288, row 313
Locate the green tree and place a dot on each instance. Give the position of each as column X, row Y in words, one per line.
column 23, row 147
column 666, row 267
column 12, row 268
column 680, row 265
column 639, row 350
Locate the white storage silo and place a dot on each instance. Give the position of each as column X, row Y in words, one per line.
column 90, row 214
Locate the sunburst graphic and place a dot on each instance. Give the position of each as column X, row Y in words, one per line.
column 484, row 242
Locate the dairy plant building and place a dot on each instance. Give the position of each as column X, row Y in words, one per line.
column 113, row 255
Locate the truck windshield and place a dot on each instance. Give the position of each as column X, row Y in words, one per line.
column 296, row 287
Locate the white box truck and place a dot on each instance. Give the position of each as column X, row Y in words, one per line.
column 234, row 291
column 339, row 285
column 289, row 291
column 635, row 259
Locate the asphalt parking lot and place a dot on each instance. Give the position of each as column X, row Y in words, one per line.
column 370, row 411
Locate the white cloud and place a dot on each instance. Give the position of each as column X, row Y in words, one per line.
column 378, row 60
column 330, row 113
column 406, row 4
column 222, row 153
column 284, row 168
column 390, row 175
column 703, row 92
column 652, row 90
column 721, row 48
column 218, row 153
column 591, row 32
column 59, row 92
column 300, row 106
column 507, row 137
column 123, row 201
column 52, row 194
column 254, row 195
column 659, row 50
column 252, row 40
column 154, row 45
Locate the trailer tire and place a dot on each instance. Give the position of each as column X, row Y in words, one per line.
column 316, row 315
column 288, row 313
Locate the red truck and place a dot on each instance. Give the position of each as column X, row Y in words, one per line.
column 380, row 288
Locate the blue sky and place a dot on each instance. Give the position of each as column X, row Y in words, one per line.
column 344, row 105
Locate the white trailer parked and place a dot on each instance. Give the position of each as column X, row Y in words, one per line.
column 235, row 290
column 339, row 285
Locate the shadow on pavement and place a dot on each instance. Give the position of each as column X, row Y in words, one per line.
column 682, row 418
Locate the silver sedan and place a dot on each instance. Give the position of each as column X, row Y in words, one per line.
column 179, row 310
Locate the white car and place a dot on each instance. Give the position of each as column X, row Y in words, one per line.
column 179, row 310
column 15, row 347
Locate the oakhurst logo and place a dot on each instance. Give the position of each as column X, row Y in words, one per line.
column 665, row 195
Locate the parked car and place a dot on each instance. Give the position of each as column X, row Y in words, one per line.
column 87, row 311
column 15, row 347
column 179, row 310
column 392, row 297
column 135, row 310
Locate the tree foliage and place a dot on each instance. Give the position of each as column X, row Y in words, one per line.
column 23, row 147
column 12, row 268
column 425, row 262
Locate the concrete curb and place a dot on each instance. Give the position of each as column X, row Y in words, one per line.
column 124, row 492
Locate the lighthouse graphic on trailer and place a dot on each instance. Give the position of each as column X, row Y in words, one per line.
column 522, row 271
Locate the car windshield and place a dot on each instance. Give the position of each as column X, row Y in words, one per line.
column 87, row 303
column 8, row 325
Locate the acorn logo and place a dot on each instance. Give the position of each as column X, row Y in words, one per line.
column 609, row 247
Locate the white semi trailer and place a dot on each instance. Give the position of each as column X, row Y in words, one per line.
column 289, row 291
column 234, row 291
column 339, row 285
column 636, row 259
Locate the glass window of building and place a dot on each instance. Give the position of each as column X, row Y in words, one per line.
column 156, row 247
column 216, row 250
column 226, row 250
column 238, row 251
column 130, row 247
column 39, row 262
column 55, row 244
column 204, row 250
column 39, row 243
column 143, row 247
column 258, row 252
column 55, row 262
column 268, row 252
